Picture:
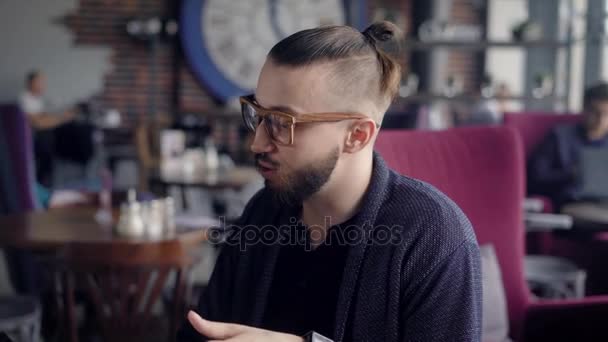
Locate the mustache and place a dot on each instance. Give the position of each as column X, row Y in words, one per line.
column 263, row 157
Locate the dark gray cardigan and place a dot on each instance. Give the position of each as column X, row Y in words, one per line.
column 426, row 287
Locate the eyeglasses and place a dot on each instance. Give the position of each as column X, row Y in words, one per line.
column 280, row 125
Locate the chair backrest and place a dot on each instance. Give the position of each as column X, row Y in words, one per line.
column 17, row 171
column 481, row 169
column 534, row 126
column 125, row 280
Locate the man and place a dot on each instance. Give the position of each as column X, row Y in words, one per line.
column 383, row 257
column 43, row 123
column 55, row 134
column 32, row 104
column 554, row 167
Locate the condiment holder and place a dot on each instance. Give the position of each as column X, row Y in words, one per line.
column 153, row 219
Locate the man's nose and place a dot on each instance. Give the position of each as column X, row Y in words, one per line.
column 261, row 141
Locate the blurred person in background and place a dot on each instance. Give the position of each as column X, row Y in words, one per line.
column 55, row 134
column 554, row 168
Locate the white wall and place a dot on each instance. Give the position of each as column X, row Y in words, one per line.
column 29, row 39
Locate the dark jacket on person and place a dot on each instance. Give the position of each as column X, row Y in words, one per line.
column 553, row 168
column 425, row 285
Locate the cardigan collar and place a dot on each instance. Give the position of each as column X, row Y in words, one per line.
column 376, row 194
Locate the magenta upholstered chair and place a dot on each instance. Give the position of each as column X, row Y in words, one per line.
column 534, row 126
column 482, row 170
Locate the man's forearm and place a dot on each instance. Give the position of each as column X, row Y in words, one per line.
column 45, row 121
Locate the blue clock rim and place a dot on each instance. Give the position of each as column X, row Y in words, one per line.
column 193, row 44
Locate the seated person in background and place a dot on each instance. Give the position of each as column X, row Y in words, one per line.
column 553, row 169
column 43, row 124
column 54, row 133
column 33, row 105
column 336, row 242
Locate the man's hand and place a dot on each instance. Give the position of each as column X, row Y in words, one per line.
column 217, row 331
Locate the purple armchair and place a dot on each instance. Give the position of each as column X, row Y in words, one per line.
column 17, row 188
column 482, row 170
column 17, row 171
column 534, row 126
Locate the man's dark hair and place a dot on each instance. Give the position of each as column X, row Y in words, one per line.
column 361, row 66
column 597, row 92
column 30, row 77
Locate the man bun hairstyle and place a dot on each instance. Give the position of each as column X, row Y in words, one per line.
column 381, row 32
column 358, row 60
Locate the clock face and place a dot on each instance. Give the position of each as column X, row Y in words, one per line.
column 226, row 41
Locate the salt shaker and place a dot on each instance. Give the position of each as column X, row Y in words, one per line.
column 155, row 219
column 130, row 223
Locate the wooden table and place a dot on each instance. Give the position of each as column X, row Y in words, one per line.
column 84, row 246
column 49, row 230
column 234, row 179
column 589, row 217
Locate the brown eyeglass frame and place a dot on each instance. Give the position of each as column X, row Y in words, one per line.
column 301, row 118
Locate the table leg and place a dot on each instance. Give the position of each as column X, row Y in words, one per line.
column 68, row 296
column 178, row 302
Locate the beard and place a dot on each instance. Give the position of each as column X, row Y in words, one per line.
column 295, row 186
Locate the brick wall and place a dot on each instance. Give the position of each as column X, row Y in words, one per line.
column 102, row 23
column 127, row 84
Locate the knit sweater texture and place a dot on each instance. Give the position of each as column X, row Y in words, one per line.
column 424, row 284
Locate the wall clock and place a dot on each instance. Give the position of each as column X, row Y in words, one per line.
column 226, row 41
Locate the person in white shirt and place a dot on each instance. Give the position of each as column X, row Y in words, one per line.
column 32, row 104
column 43, row 124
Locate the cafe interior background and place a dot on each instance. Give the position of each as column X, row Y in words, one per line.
column 157, row 84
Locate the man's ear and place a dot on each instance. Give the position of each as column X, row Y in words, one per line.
column 359, row 135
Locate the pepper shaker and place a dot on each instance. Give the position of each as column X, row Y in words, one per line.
column 130, row 223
